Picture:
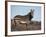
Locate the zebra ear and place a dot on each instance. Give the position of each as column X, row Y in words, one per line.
column 32, row 11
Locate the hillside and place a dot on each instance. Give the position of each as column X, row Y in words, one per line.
column 33, row 25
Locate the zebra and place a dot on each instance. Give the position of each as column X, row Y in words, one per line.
column 26, row 19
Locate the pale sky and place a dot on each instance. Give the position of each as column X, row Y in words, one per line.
column 23, row 10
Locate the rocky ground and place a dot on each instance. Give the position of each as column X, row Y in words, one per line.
column 34, row 25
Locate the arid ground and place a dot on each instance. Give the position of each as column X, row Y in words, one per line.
column 34, row 25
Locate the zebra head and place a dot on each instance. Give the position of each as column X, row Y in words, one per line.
column 30, row 14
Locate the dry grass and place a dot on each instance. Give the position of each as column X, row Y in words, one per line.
column 34, row 25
